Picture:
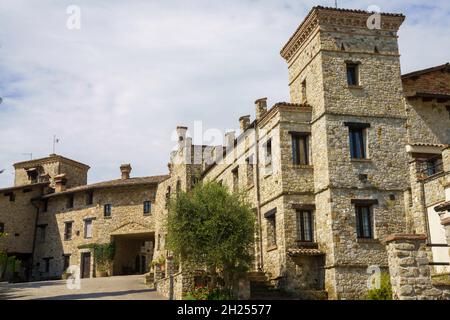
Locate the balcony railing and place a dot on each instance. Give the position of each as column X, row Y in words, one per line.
column 430, row 167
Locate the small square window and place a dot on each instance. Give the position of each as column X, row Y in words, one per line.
column 107, row 210
column 2, row 227
column 89, row 198
column 68, row 231
column 42, row 232
column 88, row 229
column 271, row 228
column 352, row 74
column 358, row 142
column 364, row 222
column 305, row 226
column 147, row 207
column 300, row 150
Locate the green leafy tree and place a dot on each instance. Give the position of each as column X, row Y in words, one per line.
column 209, row 226
column 103, row 254
column 385, row 290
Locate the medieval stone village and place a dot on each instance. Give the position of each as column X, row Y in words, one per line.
column 352, row 172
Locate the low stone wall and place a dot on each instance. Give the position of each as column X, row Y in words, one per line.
column 409, row 269
column 181, row 285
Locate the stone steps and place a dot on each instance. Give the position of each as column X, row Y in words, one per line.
column 262, row 289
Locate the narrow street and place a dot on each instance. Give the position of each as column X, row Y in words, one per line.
column 110, row 288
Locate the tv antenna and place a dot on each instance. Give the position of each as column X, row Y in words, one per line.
column 55, row 141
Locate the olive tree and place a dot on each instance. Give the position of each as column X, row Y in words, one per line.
column 211, row 227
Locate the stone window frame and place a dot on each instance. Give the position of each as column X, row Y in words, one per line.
column 268, row 157
column 42, row 232
column 271, row 229
column 67, row 236
column 296, row 159
column 147, row 207
column 302, row 236
column 88, row 221
column 363, row 129
column 368, row 204
column 107, row 210
column 356, row 66
column 89, row 198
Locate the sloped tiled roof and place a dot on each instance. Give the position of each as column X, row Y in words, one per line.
column 304, row 252
column 443, row 207
column 25, row 186
column 113, row 184
column 445, row 67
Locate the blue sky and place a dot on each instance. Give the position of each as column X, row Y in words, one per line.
column 115, row 90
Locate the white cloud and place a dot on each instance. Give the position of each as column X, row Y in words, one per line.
column 114, row 90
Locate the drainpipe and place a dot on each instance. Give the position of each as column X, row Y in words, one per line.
column 258, row 198
column 33, row 248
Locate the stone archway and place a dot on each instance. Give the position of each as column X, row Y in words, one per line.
column 134, row 248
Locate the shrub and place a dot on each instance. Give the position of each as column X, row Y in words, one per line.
column 203, row 293
column 385, row 290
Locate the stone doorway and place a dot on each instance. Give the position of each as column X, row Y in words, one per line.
column 133, row 254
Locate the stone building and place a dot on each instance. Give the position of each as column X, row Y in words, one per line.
column 52, row 212
column 360, row 153
column 354, row 157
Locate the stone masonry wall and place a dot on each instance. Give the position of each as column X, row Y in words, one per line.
column 126, row 217
column 409, row 269
column 19, row 219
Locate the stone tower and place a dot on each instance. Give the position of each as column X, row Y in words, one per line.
column 348, row 70
column 46, row 169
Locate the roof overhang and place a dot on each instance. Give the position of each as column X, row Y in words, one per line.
column 427, row 149
column 427, row 96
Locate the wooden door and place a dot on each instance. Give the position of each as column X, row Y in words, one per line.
column 86, row 265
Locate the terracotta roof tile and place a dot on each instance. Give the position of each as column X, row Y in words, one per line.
column 443, row 207
column 304, row 252
column 40, row 184
column 113, row 184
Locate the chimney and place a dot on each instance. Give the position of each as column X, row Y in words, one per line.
column 125, row 169
column 244, row 122
column 261, row 107
column 229, row 139
column 181, row 132
column 60, row 182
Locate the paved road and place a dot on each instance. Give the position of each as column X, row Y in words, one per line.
column 111, row 288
